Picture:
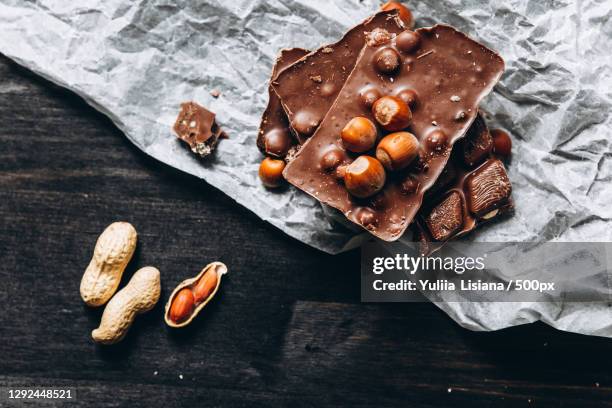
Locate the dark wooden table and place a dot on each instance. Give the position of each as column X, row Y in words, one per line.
column 287, row 329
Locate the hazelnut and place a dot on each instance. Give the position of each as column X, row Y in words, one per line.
column 409, row 185
column 407, row 41
column 367, row 218
column 404, row 13
column 436, row 140
column 359, row 134
column 409, row 96
column 277, row 142
column 305, row 123
column 364, row 177
column 502, row 144
column 387, row 60
column 397, row 150
column 392, row 113
column 271, row 172
column 369, row 96
column 331, row 160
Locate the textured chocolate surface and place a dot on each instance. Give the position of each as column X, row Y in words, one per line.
column 486, row 187
column 309, row 87
column 449, row 73
column 274, row 137
column 196, row 126
column 446, row 218
column 476, row 192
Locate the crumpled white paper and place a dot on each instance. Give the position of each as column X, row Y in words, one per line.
column 137, row 61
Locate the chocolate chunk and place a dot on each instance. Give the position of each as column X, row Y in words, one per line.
column 309, row 87
column 446, row 218
column 197, row 127
column 274, row 137
column 484, row 190
column 445, row 63
column 478, row 143
column 487, row 187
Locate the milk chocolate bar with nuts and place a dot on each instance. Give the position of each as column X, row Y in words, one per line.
column 309, row 87
column 472, row 190
column 426, row 85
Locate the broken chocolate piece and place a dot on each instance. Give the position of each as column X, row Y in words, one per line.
column 478, row 144
column 445, row 63
column 309, row 87
column 274, row 137
column 483, row 190
column 197, row 127
column 446, row 218
column 487, row 187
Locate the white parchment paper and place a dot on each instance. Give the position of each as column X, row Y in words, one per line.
column 137, row 61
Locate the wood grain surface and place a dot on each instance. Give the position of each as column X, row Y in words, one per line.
column 286, row 329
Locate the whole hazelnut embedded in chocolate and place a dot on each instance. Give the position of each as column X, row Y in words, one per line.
column 404, row 13
column 436, row 140
column 387, row 60
column 397, row 150
column 367, row 218
column 359, row 134
column 271, row 172
column 369, row 96
column 305, row 123
column 409, row 185
column 407, row 41
column 331, row 160
column 392, row 113
column 502, row 144
column 409, row 96
column 364, row 177
column 277, row 142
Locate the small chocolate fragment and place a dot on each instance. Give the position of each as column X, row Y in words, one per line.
column 483, row 190
column 487, row 187
column 306, row 100
column 446, row 218
column 274, row 137
column 440, row 67
column 197, row 127
column 478, row 143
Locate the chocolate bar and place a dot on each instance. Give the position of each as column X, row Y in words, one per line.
column 274, row 137
column 309, row 87
column 473, row 189
column 442, row 75
column 197, row 127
